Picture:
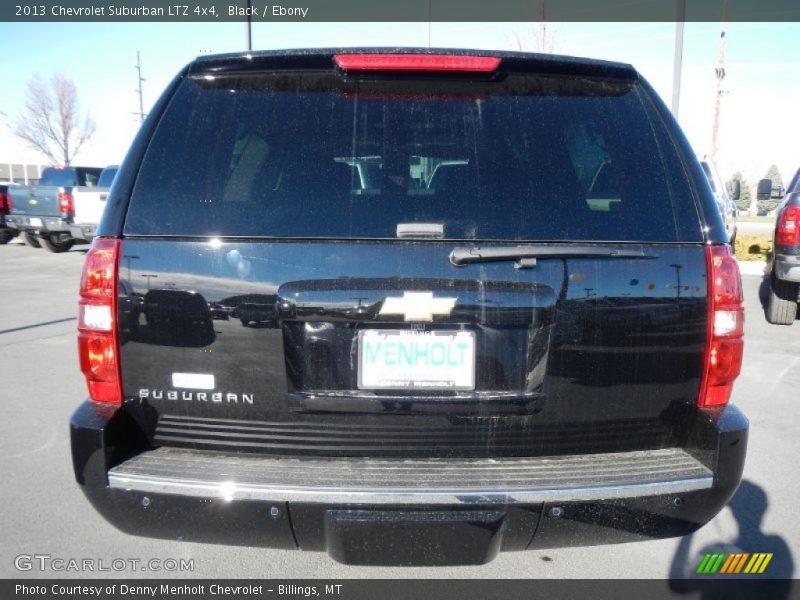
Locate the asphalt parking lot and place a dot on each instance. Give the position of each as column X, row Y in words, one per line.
column 45, row 513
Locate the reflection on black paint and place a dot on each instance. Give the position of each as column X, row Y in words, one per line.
column 259, row 310
column 173, row 318
column 360, row 299
column 129, row 307
column 557, row 369
column 219, row 311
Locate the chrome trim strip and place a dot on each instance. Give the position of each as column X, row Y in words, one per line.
column 230, row 490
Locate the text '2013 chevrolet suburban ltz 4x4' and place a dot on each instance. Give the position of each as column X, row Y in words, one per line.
column 498, row 311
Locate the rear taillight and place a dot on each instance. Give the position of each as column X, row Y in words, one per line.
column 5, row 201
column 97, row 332
column 725, row 341
column 66, row 204
column 786, row 233
column 416, row 62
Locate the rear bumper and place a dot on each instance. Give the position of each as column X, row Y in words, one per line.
column 83, row 231
column 437, row 511
column 787, row 267
column 38, row 224
column 439, row 482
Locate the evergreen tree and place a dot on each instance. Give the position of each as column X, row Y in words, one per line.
column 745, row 196
column 771, row 203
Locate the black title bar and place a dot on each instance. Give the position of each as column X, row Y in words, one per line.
column 397, row 11
column 399, row 589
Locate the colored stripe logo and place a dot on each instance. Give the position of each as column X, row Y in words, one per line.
column 731, row 564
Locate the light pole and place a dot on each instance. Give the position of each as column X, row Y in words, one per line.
column 248, row 27
column 677, row 63
column 428, row 27
column 148, row 277
column 129, row 258
column 678, row 276
column 140, row 80
column 720, row 74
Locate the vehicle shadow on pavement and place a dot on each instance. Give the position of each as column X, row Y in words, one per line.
column 35, row 325
column 748, row 505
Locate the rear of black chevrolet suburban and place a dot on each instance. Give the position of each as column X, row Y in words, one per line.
column 502, row 311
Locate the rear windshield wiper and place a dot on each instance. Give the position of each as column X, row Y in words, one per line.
column 525, row 256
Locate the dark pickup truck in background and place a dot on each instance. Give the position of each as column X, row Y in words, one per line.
column 45, row 211
column 784, row 263
column 520, row 330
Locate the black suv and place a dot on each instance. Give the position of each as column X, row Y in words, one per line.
column 506, row 316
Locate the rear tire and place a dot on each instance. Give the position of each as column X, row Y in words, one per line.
column 782, row 303
column 32, row 240
column 6, row 235
column 245, row 322
column 53, row 245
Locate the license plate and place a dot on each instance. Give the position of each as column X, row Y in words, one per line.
column 415, row 360
column 34, row 222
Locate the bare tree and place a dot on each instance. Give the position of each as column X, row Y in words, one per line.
column 539, row 37
column 543, row 34
column 50, row 121
column 546, row 38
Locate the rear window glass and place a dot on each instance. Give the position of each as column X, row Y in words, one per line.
column 70, row 177
column 315, row 155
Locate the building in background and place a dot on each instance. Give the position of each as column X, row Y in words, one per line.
column 21, row 173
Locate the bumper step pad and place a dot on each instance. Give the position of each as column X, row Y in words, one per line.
column 396, row 481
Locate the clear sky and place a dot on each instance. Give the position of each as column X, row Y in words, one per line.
column 759, row 122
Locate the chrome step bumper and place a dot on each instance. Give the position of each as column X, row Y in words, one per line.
column 400, row 482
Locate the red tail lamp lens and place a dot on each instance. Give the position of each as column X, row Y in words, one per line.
column 97, row 333
column 725, row 342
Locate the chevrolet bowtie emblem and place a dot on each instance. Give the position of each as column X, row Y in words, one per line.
column 32, row 201
column 417, row 306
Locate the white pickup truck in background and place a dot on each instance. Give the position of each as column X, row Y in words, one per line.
column 726, row 203
column 90, row 208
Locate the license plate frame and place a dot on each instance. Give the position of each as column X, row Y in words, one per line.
column 455, row 363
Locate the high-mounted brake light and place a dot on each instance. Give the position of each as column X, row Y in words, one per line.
column 417, row 62
column 66, row 204
column 786, row 231
column 97, row 333
column 725, row 339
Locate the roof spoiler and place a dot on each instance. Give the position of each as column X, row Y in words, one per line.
column 409, row 59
